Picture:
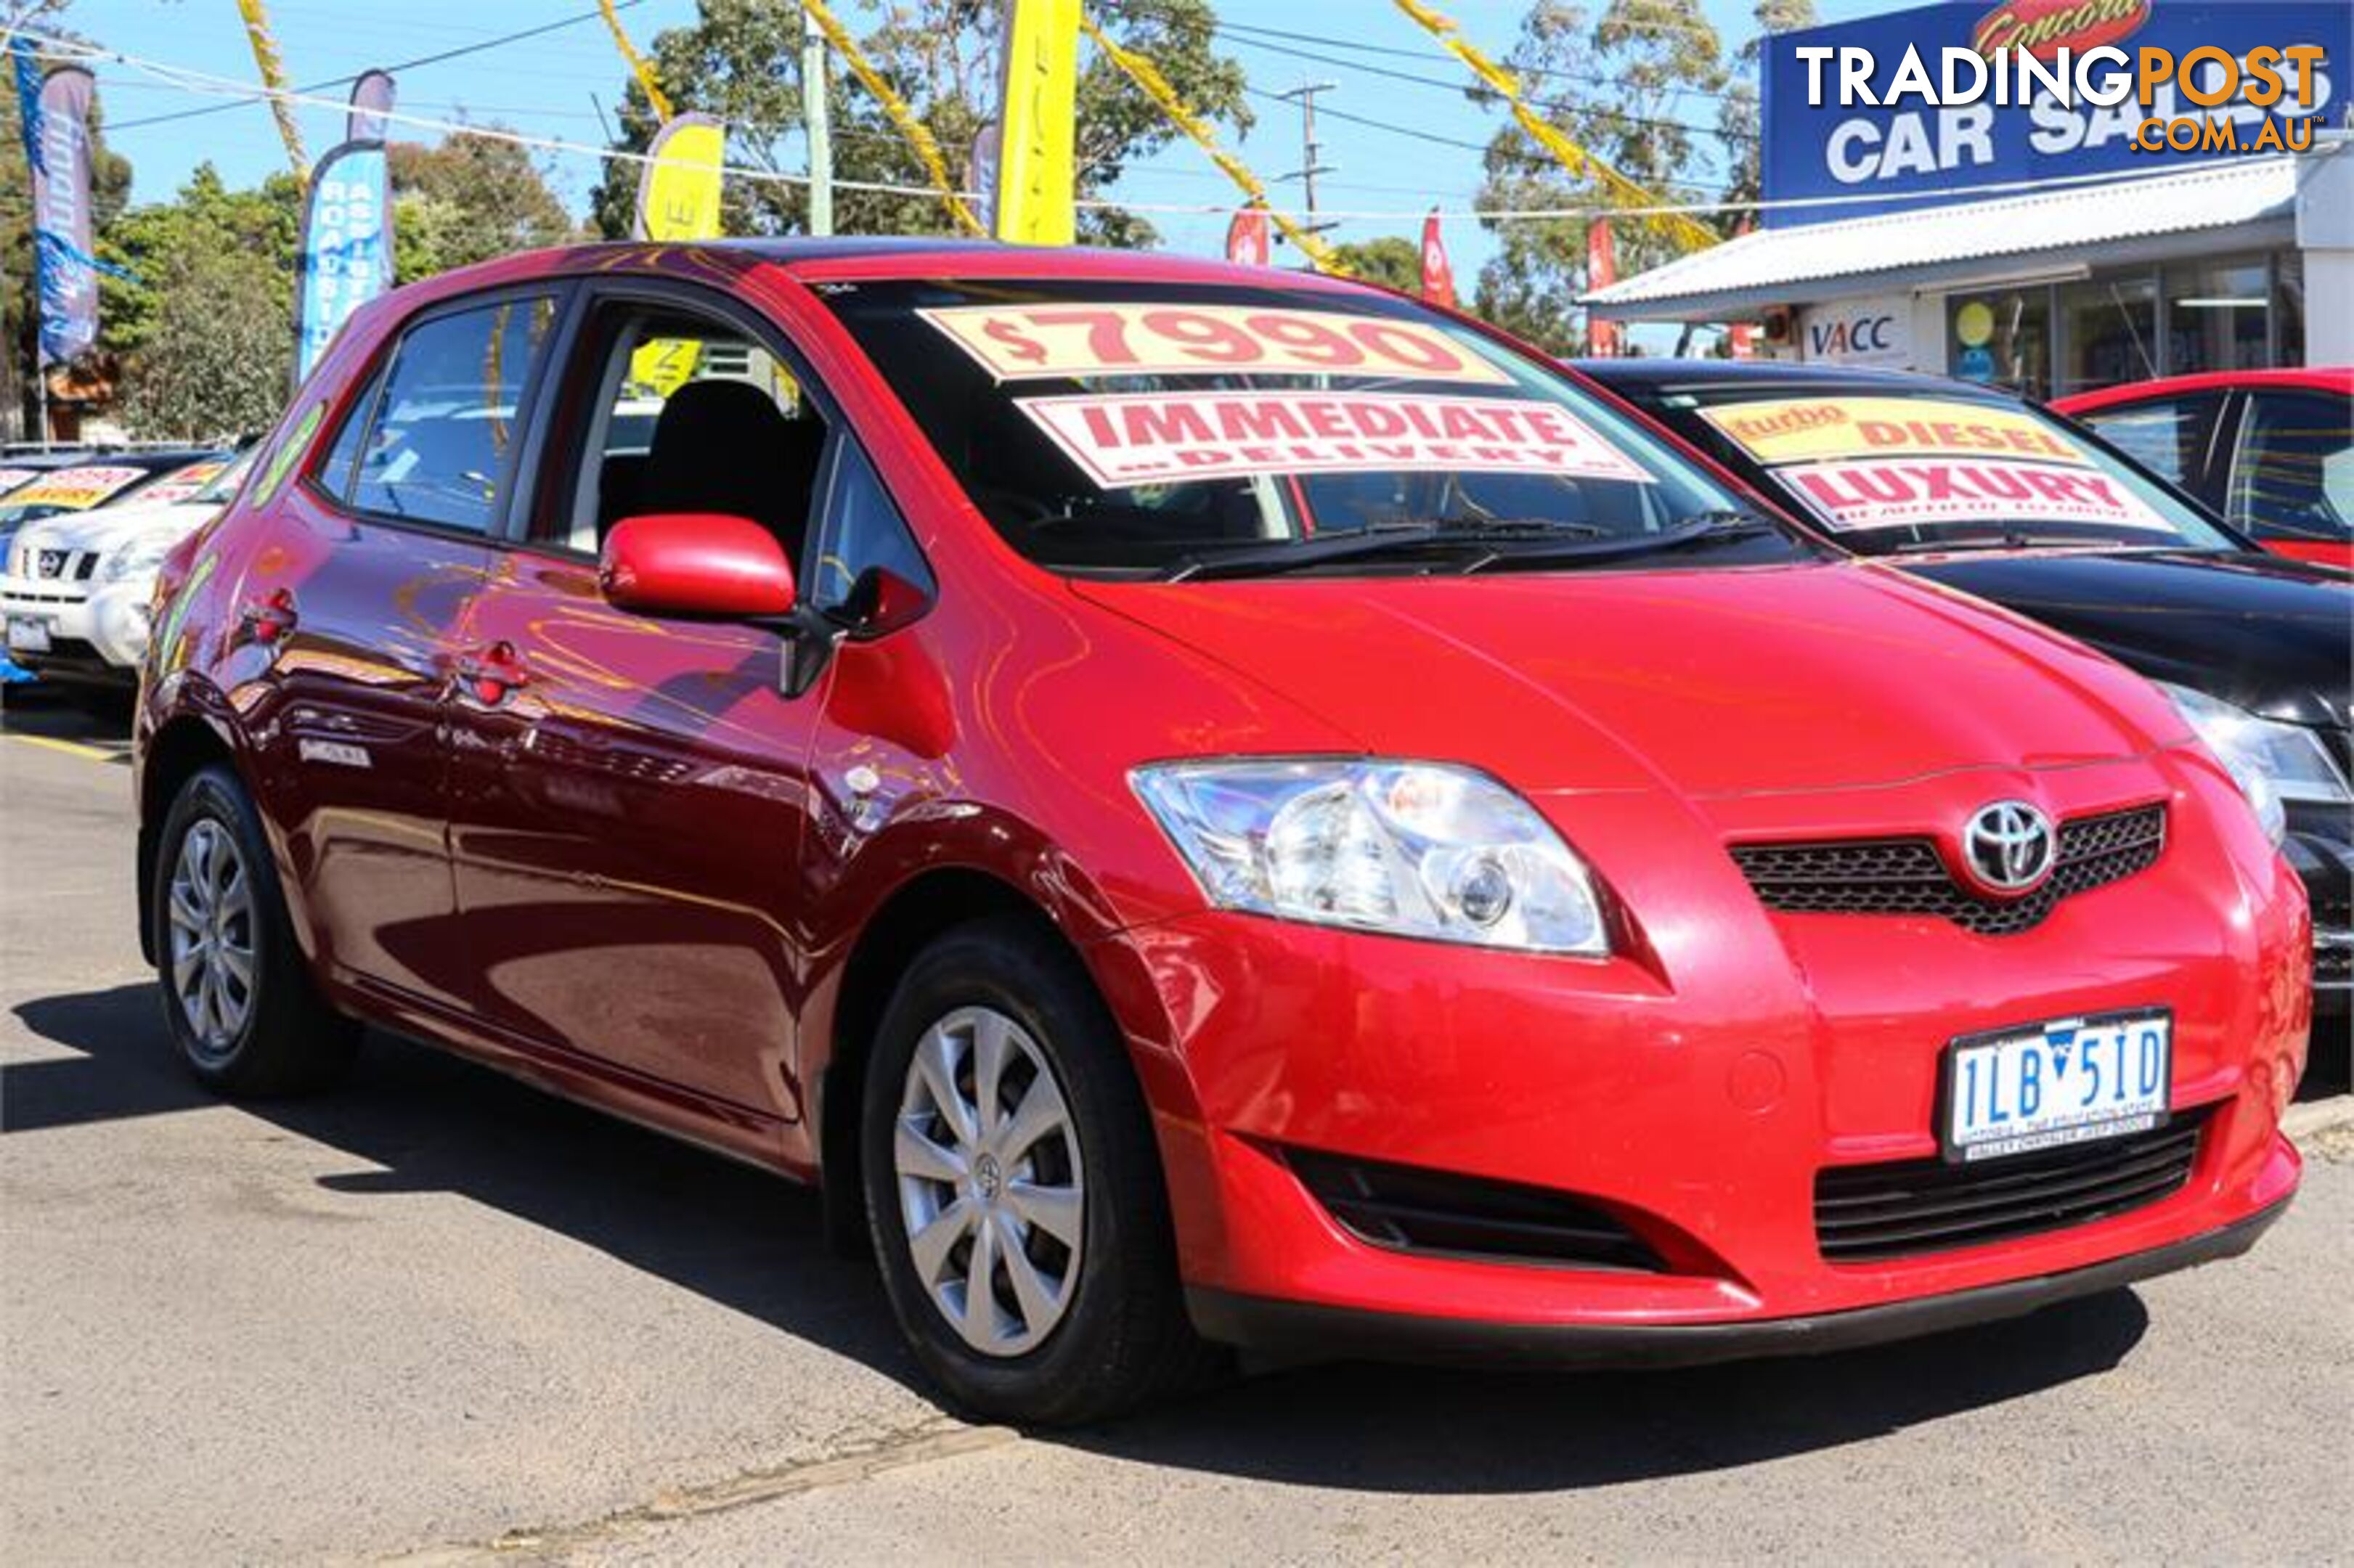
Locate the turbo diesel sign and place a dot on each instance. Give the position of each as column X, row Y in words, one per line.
column 1951, row 97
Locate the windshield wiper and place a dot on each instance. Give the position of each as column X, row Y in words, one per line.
column 1712, row 527
column 1718, row 526
column 1366, row 544
column 2015, row 539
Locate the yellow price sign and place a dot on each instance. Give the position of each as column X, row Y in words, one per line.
column 665, row 364
column 1818, row 430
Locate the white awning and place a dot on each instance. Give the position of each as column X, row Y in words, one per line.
column 1928, row 244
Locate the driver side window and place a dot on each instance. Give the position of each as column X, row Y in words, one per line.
column 683, row 412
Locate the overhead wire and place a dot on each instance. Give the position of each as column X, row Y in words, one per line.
column 57, row 46
column 419, row 63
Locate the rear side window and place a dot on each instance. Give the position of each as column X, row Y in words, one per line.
column 2168, row 438
column 439, row 435
column 2293, row 475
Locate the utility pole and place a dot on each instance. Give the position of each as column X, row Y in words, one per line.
column 814, row 116
column 1305, row 93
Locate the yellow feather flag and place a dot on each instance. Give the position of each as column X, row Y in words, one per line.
column 1037, row 118
column 273, row 76
column 678, row 198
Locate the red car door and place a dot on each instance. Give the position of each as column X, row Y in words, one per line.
column 362, row 593
column 628, row 792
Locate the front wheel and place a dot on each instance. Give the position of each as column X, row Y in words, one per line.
column 238, row 996
column 1013, row 1191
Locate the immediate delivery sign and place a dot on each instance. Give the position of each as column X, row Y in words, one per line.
column 1123, row 442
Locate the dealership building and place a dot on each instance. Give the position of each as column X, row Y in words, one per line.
column 2034, row 248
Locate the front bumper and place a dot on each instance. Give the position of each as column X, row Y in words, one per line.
column 1696, row 1090
column 1293, row 1330
column 95, row 630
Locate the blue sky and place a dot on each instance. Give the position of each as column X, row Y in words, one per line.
column 546, row 86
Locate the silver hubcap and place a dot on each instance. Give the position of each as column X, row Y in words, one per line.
column 988, row 1165
column 211, row 922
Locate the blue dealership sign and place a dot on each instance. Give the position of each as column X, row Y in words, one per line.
column 347, row 255
column 1911, row 150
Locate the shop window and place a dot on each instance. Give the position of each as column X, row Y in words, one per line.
column 2218, row 315
column 2108, row 332
column 2002, row 338
column 2288, row 308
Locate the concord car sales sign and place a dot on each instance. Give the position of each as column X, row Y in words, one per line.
column 1898, row 462
column 1160, row 438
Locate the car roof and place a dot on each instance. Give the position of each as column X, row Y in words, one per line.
column 1653, row 377
column 865, row 258
column 2335, row 379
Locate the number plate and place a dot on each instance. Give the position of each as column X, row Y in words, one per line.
column 2043, row 1086
column 27, row 634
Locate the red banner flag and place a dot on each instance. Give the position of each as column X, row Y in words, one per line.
column 1745, row 334
column 1601, row 271
column 1248, row 243
column 1437, row 271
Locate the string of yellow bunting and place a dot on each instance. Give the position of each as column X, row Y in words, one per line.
column 636, row 61
column 1684, row 231
column 1147, row 76
column 273, row 76
column 918, row 137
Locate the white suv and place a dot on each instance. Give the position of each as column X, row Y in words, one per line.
column 75, row 586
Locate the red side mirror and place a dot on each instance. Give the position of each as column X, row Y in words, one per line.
column 702, row 563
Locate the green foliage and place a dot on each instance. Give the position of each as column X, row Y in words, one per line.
column 1620, row 86
column 217, row 351
column 468, row 199
column 1391, row 261
column 1738, row 119
column 741, row 61
column 204, row 334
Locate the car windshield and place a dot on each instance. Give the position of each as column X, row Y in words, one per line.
column 1179, row 430
column 66, row 490
column 1893, row 471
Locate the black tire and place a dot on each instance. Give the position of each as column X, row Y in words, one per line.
column 287, row 1040
column 1124, row 1337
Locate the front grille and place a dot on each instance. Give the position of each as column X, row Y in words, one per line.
column 1908, row 876
column 1865, row 1213
column 1413, row 1210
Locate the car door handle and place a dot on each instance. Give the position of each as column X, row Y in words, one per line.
column 270, row 619
column 493, row 672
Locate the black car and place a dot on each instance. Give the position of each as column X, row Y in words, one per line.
column 1978, row 489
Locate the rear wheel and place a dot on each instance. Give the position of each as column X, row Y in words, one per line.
column 238, row 995
column 1013, row 1191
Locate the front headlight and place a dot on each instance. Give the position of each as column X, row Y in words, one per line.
column 138, row 558
column 2272, row 761
column 1412, row 848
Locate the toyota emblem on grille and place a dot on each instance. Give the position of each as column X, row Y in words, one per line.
column 2009, row 847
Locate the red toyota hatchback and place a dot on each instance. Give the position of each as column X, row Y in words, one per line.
column 1206, row 808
